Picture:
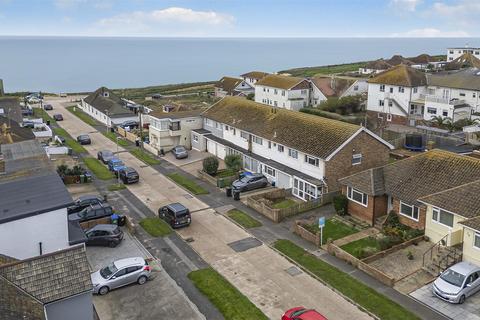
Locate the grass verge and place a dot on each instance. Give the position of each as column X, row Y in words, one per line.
column 69, row 141
column 40, row 113
column 98, row 169
column 229, row 301
column 365, row 296
column 333, row 229
column 116, row 187
column 145, row 157
column 243, row 219
column 155, row 226
column 82, row 115
column 188, row 184
column 112, row 136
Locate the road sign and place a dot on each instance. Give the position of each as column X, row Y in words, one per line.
column 321, row 222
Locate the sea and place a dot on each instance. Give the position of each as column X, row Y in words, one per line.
column 82, row 64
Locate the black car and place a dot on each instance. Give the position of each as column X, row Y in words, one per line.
column 250, row 182
column 180, row 152
column 92, row 212
column 176, row 215
column 105, row 156
column 129, row 175
column 104, row 235
column 47, row 107
column 131, row 124
column 84, row 139
column 28, row 124
column 84, row 202
column 58, row 117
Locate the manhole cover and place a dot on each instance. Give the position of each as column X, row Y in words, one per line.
column 188, row 196
column 293, row 271
column 245, row 244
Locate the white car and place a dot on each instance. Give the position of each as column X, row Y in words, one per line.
column 457, row 282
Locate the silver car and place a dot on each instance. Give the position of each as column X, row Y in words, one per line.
column 120, row 273
column 457, row 282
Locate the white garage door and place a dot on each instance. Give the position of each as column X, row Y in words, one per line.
column 212, row 147
column 221, row 151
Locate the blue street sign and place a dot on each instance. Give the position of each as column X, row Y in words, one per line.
column 321, row 222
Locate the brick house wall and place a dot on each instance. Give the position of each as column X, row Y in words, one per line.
column 376, row 207
column 374, row 154
column 373, row 118
column 422, row 213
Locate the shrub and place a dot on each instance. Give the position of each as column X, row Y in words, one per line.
column 250, row 96
column 364, row 252
column 392, row 220
column 210, row 165
column 343, row 106
column 62, row 170
column 340, row 203
column 389, row 241
column 233, row 162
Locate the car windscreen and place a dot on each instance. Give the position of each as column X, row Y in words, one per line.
column 453, row 277
column 108, row 271
column 107, row 153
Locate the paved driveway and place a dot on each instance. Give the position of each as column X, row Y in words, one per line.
column 470, row 310
column 159, row 298
column 193, row 156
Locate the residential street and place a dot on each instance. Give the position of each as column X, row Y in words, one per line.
column 259, row 273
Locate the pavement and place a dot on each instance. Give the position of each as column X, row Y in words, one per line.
column 259, row 273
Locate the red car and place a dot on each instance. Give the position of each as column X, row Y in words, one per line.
column 301, row 313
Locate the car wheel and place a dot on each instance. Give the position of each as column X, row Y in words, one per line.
column 462, row 299
column 103, row 290
column 112, row 244
column 142, row 280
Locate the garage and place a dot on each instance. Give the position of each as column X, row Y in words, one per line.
column 212, row 147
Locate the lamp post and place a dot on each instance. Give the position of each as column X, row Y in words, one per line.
column 118, row 155
column 106, row 120
column 140, row 112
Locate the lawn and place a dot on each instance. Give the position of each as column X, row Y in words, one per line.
column 330, row 69
column 145, row 157
column 112, row 136
column 355, row 247
column 155, row 226
column 225, row 173
column 40, row 113
column 187, row 183
column 365, row 296
column 98, row 169
column 71, row 143
column 243, row 219
column 82, row 115
column 286, row 203
column 334, row 229
column 116, row 187
column 229, row 301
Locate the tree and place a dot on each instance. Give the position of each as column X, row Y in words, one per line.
column 340, row 203
column 250, row 96
column 233, row 162
column 440, row 122
column 210, row 165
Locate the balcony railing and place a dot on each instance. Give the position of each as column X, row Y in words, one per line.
column 436, row 99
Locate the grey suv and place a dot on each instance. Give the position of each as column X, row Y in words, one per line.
column 176, row 215
column 104, row 235
column 250, row 182
column 120, row 273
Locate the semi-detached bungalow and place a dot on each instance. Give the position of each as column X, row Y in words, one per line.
column 228, row 86
column 297, row 151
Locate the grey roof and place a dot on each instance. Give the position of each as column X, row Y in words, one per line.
column 113, row 104
column 76, row 234
column 31, row 196
column 10, row 108
column 201, row 131
column 460, row 79
column 51, row 277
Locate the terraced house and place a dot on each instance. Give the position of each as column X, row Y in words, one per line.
column 294, row 150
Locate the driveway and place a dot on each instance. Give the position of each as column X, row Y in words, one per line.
column 159, row 298
column 193, row 156
column 470, row 310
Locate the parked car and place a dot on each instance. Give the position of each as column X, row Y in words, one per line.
column 129, row 123
column 302, row 313
column 180, row 152
column 84, row 139
column 92, row 212
column 120, row 273
column 105, row 156
column 458, row 282
column 47, row 107
column 104, row 235
column 175, row 214
column 28, row 124
column 250, row 182
column 63, row 95
column 33, row 100
column 128, row 175
column 60, row 139
column 58, row 117
column 116, row 165
column 84, row 202
column 27, row 112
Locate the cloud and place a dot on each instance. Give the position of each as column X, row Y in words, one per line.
column 165, row 21
column 458, row 9
column 430, row 33
column 405, row 5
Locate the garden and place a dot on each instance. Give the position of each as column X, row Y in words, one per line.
column 223, row 177
column 76, row 174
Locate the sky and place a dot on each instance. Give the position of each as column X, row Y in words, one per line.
column 241, row 18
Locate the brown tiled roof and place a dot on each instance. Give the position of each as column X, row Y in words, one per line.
column 398, row 59
column 418, row 176
column 473, row 223
column 255, row 74
column 52, row 276
column 332, row 87
column 4, row 259
column 112, row 103
column 422, row 59
column 159, row 114
column 466, row 60
column 279, row 81
column 463, row 200
column 460, row 79
column 401, row 75
column 311, row 134
column 228, row 84
column 379, row 64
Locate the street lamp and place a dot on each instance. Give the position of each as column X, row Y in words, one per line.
column 118, row 156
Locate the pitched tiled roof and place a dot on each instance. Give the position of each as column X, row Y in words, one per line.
column 463, row 200
column 255, row 74
column 176, row 115
column 112, row 103
column 279, row 81
column 332, row 87
column 311, row 134
column 52, row 276
column 466, row 60
column 10, row 108
column 418, row 176
column 379, row 64
column 460, row 79
column 473, row 223
column 4, row 259
column 401, row 75
column 398, row 59
column 422, row 59
column 228, row 84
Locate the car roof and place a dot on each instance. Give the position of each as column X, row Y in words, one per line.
column 84, row 136
column 106, row 151
column 99, row 205
column 106, row 227
column 129, row 169
column 122, row 263
column 88, row 196
column 177, row 206
column 464, row 267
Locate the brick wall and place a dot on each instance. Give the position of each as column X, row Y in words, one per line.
column 359, row 211
column 376, row 122
column 381, row 206
column 420, row 224
column 307, row 235
column 374, row 154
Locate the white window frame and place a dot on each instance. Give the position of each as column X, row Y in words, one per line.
column 382, row 88
column 313, row 159
column 381, row 103
column 257, row 140
column 413, row 211
column 437, row 212
column 476, row 234
column 351, row 191
column 293, row 153
column 244, row 135
column 356, row 159
column 401, row 89
column 280, row 148
column 269, row 171
column 195, row 138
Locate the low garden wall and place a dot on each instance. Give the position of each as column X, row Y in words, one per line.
column 127, row 135
column 219, row 182
column 395, row 248
column 307, row 235
column 150, row 149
